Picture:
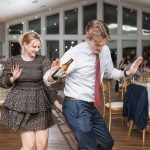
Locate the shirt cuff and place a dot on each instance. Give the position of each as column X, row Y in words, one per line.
column 45, row 78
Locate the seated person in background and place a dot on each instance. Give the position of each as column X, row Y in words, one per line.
column 147, row 65
column 125, row 62
column 137, row 74
column 122, row 65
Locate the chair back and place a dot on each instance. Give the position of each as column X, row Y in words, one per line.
column 112, row 109
column 106, row 92
column 3, row 94
column 146, row 77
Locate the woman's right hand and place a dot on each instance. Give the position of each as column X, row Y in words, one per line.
column 16, row 72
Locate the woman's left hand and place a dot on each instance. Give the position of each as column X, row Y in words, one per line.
column 58, row 105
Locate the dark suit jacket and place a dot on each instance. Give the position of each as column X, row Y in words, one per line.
column 136, row 105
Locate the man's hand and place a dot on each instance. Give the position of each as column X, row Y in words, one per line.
column 134, row 66
column 55, row 65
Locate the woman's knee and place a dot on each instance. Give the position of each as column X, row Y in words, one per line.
column 28, row 147
column 42, row 139
column 42, row 144
column 28, row 140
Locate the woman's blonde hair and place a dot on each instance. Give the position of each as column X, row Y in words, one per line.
column 97, row 30
column 27, row 37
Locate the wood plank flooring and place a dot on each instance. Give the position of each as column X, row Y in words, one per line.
column 61, row 138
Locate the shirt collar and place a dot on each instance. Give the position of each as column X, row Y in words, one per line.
column 89, row 51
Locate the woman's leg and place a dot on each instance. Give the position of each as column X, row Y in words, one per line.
column 28, row 140
column 42, row 139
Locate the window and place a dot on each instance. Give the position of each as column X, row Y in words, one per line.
column 129, row 25
column 15, row 48
column 52, row 24
column 71, row 21
column 89, row 13
column 53, row 49
column 110, row 17
column 1, row 51
column 129, row 48
column 69, row 44
column 35, row 25
column 146, row 23
column 146, row 49
column 16, row 29
column 113, row 48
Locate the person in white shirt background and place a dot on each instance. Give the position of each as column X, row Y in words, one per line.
column 79, row 111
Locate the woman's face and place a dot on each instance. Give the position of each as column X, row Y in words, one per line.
column 32, row 48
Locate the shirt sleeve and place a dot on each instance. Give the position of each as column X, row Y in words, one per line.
column 6, row 74
column 109, row 70
column 45, row 78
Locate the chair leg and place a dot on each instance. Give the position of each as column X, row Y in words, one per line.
column 109, row 122
column 130, row 127
column 122, row 120
column 143, row 136
column 0, row 112
column 104, row 114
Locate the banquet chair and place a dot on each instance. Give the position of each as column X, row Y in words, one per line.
column 112, row 108
column 136, row 108
column 122, row 88
column 146, row 77
column 3, row 94
column 131, row 126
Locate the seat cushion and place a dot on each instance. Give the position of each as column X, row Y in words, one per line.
column 115, row 105
column 1, row 102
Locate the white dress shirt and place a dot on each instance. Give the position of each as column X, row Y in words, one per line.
column 80, row 79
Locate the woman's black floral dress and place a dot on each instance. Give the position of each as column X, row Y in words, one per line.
column 27, row 106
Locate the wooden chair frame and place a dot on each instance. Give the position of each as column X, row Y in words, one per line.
column 3, row 94
column 112, row 109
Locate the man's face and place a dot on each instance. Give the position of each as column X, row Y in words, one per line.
column 95, row 46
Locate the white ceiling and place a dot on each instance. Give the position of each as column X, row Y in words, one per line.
column 11, row 9
column 145, row 3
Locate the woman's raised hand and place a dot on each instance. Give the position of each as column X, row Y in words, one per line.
column 16, row 72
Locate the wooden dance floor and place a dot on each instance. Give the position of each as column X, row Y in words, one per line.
column 61, row 138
